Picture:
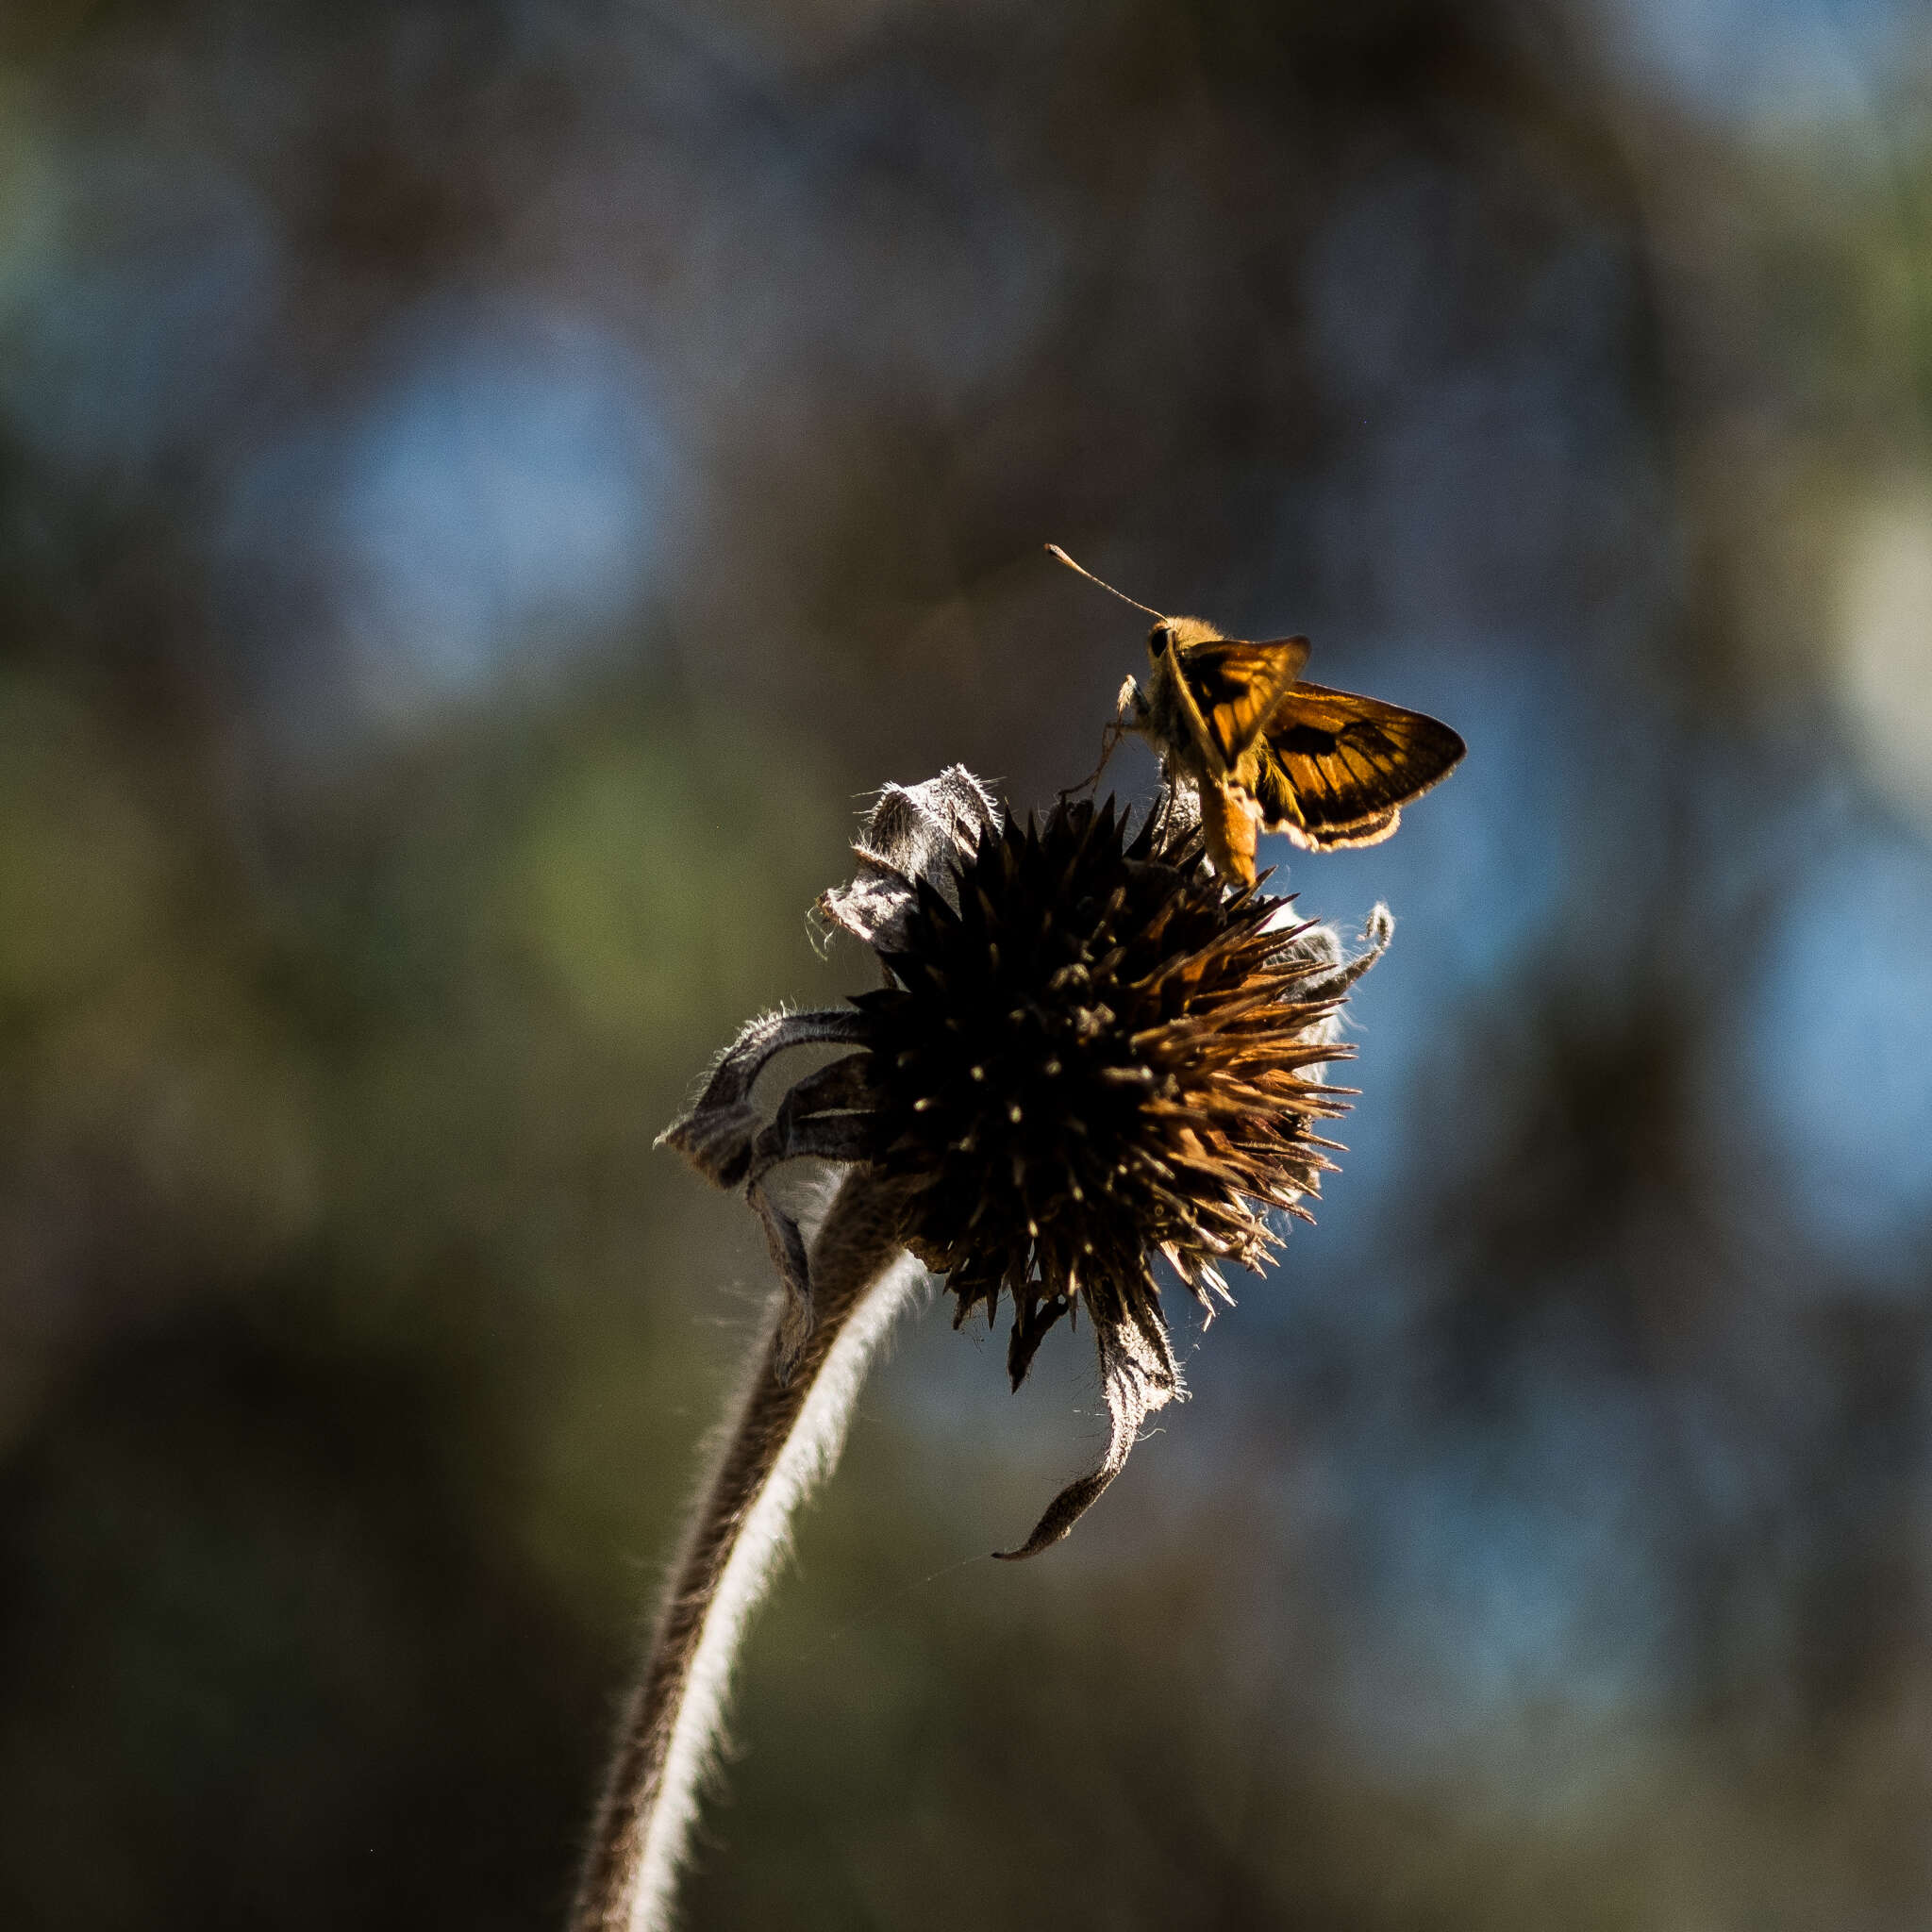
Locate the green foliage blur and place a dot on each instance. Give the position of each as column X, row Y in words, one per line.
column 487, row 489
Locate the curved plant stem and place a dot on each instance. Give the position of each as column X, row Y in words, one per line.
column 780, row 1439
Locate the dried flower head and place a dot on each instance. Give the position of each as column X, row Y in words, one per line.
column 1089, row 1055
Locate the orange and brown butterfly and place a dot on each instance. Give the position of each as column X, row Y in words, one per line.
column 1267, row 751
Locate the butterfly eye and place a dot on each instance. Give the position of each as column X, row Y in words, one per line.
column 1158, row 641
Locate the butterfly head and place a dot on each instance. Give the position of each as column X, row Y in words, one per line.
column 1178, row 634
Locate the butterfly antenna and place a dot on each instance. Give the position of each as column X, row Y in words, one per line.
column 1055, row 550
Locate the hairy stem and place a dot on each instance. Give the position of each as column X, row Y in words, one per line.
column 780, row 1439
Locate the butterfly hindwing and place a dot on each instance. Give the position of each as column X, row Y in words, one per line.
column 1337, row 769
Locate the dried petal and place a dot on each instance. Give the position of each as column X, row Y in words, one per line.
column 716, row 1134
column 1138, row 1376
column 912, row 833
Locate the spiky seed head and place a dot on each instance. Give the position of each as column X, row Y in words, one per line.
column 1093, row 1055
column 1090, row 1055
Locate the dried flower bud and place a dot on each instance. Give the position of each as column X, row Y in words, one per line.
column 1089, row 1055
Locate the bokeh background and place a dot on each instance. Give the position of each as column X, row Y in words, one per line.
column 487, row 486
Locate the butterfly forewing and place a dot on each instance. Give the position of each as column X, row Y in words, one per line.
column 1236, row 687
column 1338, row 768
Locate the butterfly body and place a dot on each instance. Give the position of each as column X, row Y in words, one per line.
column 1265, row 751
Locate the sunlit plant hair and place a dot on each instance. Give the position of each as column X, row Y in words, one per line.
column 1089, row 1056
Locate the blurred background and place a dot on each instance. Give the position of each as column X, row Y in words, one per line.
column 487, row 486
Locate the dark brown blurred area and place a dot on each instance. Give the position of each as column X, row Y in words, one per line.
column 484, row 490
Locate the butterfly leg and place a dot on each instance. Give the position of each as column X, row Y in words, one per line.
column 1116, row 728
